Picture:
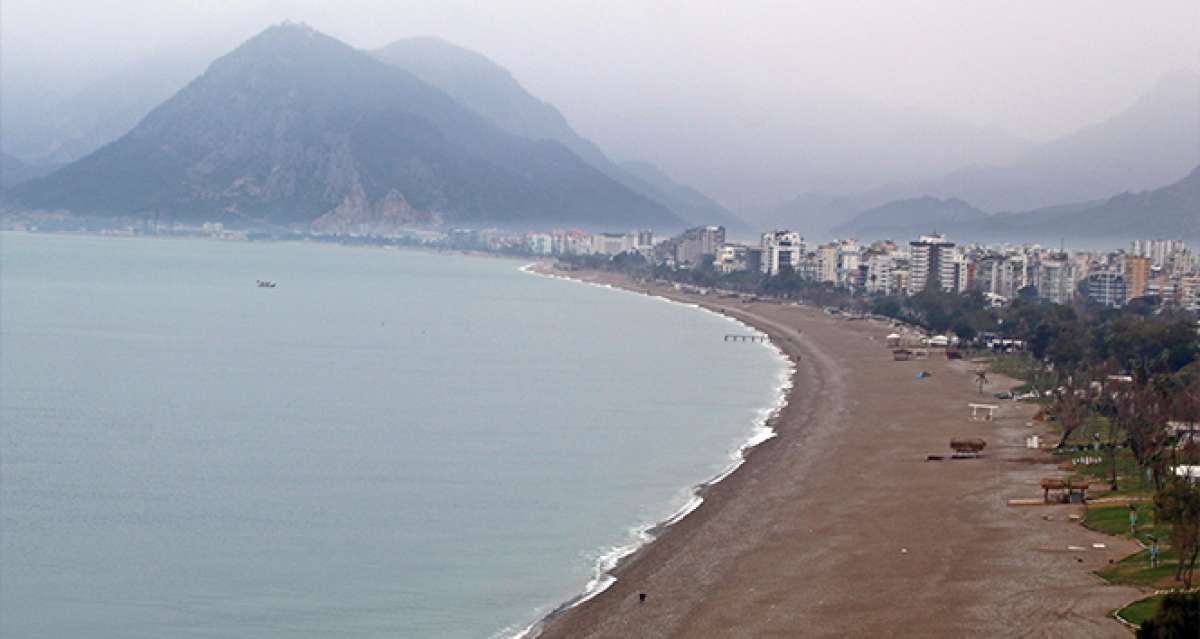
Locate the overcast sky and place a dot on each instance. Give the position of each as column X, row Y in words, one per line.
column 1035, row 68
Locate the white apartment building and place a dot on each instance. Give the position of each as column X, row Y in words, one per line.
column 880, row 275
column 539, row 243
column 781, row 249
column 613, row 243
column 1055, row 281
column 1160, row 252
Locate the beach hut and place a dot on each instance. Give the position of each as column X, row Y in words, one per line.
column 939, row 341
column 893, row 340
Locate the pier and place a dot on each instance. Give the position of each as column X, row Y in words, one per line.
column 746, row 338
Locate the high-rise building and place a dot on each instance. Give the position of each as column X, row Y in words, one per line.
column 696, row 243
column 1054, row 280
column 782, row 250
column 880, row 278
column 1137, row 276
column 827, row 263
column 1160, row 252
column 932, row 263
column 1107, row 287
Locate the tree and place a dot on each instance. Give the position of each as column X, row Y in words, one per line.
column 1178, row 503
column 1143, row 413
column 1071, row 406
column 1177, row 617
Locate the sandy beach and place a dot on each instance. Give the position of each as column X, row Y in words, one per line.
column 840, row 527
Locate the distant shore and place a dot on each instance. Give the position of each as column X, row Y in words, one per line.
column 839, row 527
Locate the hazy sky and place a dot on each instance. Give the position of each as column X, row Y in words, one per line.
column 1035, row 68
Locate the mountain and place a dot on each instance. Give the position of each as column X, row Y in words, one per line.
column 1150, row 143
column 1153, row 141
column 70, row 128
column 697, row 207
column 491, row 90
column 1169, row 211
column 901, row 218
column 13, row 171
column 296, row 128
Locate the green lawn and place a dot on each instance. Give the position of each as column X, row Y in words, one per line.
column 1114, row 520
column 1135, row 570
column 1140, row 610
column 1131, row 480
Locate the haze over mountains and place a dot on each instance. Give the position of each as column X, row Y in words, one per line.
column 67, row 129
column 1151, row 144
column 1169, row 211
column 480, row 84
column 295, row 127
column 365, row 166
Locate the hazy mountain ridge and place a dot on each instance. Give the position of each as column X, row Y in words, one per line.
column 294, row 124
column 14, row 171
column 1168, row 211
column 106, row 109
column 928, row 213
column 1150, row 143
column 491, row 90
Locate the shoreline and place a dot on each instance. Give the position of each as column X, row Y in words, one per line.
column 722, row 568
column 763, row 430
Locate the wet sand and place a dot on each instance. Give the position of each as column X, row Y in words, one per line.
column 839, row 527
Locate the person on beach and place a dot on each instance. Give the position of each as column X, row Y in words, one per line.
column 641, row 597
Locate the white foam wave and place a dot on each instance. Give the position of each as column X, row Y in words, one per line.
column 639, row 536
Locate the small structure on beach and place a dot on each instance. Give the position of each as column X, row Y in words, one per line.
column 902, row 354
column 1065, row 490
column 967, row 447
column 893, row 340
column 982, row 412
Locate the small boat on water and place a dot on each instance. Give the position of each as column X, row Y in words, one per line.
column 265, row 284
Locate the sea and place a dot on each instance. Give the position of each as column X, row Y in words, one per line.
column 387, row 444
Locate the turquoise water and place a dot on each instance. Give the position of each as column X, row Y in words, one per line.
column 389, row 444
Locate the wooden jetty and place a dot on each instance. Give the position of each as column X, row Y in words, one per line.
column 746, row 338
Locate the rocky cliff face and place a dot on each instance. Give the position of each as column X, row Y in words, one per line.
column 357, row 214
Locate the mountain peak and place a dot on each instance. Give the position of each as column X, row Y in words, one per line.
column 294, row 125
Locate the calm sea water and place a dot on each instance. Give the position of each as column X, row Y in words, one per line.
column 388, row 444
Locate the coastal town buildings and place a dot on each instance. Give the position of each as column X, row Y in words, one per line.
column 1163, row 271
column 1160, row 252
